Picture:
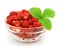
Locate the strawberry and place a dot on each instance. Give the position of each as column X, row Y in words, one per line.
column 36, row 24
column 22, row 18
column 26, row 16
column 13, row 13
column 34, row 36
column 21, row 21
column 31, row 28
column 29, row 35
column 14, row 17
column 8, row 16
column 23, row 36
column 16, row 23
column 25, row 23
column 34, row 19
column 19, row 15
column 13, row 23
column 9, row 20
column 25, row 11
column 24, row 30
column 30, row 22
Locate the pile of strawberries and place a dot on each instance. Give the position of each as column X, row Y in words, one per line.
column 23, row 19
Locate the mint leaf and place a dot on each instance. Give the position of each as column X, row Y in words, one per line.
column 46, row 23
column 42, row 18
column 36, row 12
column 48, row 13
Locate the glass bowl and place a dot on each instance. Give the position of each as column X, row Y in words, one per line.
column 26, row 34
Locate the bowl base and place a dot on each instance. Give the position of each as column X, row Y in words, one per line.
column 26, row 40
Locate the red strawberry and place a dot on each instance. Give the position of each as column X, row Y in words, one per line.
column 29, row 35
column 21, row 21
column 25, row 23
column 24, row 30
column 31, row 28
column 13, row 13
column 9, row 20
column 13, row 23
column 34, row 36
column 23, row 36
column 24, row 11
column 8, row 16
column 26, row 16
column 14, row 17
column 34, row 19
column 36, row 24
column 19, row 15
column 16, row 23
column 30, row 22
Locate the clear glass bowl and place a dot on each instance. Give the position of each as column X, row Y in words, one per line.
column 26, row 34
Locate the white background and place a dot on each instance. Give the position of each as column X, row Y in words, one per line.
column 49, row 42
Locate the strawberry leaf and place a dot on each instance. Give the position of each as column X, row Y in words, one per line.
column 36, row 12
column 48, row 13
column 46, row 23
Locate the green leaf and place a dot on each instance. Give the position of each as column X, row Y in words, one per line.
column 46, row 23
column 36, row 12
column 48, row 13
